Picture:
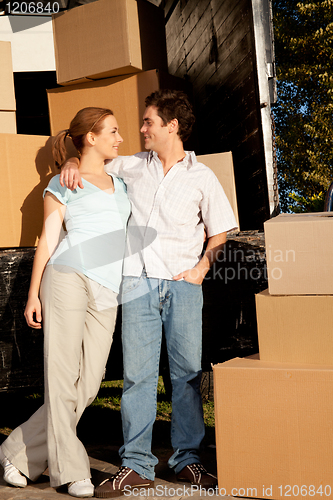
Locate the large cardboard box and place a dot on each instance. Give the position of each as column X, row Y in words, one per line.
column 299, row 249
column 274, row 432
column 8, row 122
column 31, row 38
column 7, row 94
column 125, row 95
column 108, row 38
column 223, row 167
column 295, row 328
column 26, row 166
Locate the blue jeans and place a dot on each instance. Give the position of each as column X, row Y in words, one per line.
column 149, row 303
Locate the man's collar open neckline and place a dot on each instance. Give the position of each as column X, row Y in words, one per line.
column 188, row 160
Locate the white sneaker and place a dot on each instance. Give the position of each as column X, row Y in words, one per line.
column 81, row 489
column 12, row 475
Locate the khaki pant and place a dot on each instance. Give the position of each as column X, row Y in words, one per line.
column 77, row 339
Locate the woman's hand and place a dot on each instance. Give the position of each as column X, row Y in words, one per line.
column 33, row 306
column 69, row 175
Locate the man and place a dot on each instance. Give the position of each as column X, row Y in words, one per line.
column 174, row 200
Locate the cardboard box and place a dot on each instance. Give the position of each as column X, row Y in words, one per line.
column 223, row 167
column 7, row 94
column 299, row 250
column 295, row 328
column 125, row 95
column 26, row 166
column 31, row 38
column 7, row 122
column 274, row 435
column 108, row 38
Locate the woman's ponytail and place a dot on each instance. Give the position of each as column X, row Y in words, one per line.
column 59, row 151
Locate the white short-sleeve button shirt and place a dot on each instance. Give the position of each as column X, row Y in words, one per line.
column 169, row 213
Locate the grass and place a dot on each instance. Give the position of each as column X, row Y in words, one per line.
column 164, row 407
column 101, row 422
column 109, row 397
column 111, row 401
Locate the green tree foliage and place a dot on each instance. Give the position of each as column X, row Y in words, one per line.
column 303, row 33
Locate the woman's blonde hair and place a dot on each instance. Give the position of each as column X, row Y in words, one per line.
column 86, row 120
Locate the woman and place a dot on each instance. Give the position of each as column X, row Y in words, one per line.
column 77, row 281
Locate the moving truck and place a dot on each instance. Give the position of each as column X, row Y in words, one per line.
column 223, row 52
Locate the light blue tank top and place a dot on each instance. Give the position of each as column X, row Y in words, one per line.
column 96, row 222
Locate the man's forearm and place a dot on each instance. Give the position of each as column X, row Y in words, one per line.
column 197, row 273
column 69, row 175
column 214, row 247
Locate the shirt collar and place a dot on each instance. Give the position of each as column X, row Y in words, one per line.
column 188, row 161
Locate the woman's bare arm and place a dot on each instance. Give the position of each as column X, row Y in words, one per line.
column 53, row 217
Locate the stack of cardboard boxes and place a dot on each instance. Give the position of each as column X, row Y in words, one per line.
column 274, row 416
column 113, row 64
column 25, row 167
column 7, row 94
column 108, row 54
